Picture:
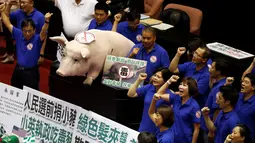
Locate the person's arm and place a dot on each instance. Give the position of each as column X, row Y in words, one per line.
column 117, row 19
column 174, row 63
column 152, row 109
column 164, row 87
column 9, row 6
column 195, row 132
column 5, row 18
column 209, row 124
column 132, row 90
column 43, row 33
column 249, row 69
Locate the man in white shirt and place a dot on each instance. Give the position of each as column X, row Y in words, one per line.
column 76, row 16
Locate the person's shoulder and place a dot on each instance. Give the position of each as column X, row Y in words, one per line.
column 123, row 24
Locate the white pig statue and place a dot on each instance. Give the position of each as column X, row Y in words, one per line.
column 87, row 59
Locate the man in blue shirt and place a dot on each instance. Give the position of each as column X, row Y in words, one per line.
column 250, row 69
column 100, row 20
column 227, row 118
column 26, row 11
column 149, row 51
column 28, row 45
column 196, row 69
column 245, row 107
column 219, row 70
column 132, row 29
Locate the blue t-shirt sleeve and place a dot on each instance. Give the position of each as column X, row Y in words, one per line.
column 196, row 114
column 91, row 24
column 253, row 70
column 172, row 98
column 16, row 33
column 233, row 122
column 141, row 92
column 183, row 68
column 165, row 61
column 41, row 22
column 13, row 15
column 203, row 84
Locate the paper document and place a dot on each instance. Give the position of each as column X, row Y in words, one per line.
column 143, row 16
column 163, row 26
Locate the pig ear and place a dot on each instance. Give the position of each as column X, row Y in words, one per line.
column 85, row 53
column 59, row 39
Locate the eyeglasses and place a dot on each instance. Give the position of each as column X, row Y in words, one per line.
column 195, row 54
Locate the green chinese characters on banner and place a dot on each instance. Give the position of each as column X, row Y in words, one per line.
column 48, row 132
column 101, row 131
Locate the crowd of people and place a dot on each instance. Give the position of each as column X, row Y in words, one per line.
column 204, row 108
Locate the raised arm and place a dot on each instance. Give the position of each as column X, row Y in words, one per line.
column 164, row 87
column 132, row 90
column 117, row 19
column 249, row 69
column 174, row 63
column 5, row 18
column 43, row 33
column 152, row 108
column 209, row 123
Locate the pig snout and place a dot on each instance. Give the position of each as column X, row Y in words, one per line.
column 61, row 73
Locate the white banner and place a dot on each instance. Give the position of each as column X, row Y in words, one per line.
column 93, row 128
column 11, row 106
column 49, row 118
column 228, row 51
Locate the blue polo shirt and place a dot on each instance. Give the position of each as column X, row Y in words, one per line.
column 211, row 101
column 107, row 25
column 28, row 51
column 132, row 35
column 166, row 136
column 156, row 58
column 184, row 118
column 147, row 92
column 245, row 110
column 202, row 77
column 224, row 123
column 36, row 15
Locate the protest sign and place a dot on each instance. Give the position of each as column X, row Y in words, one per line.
column 12, row 101
column 121, row 72
column 93, row 128
column 49, row 118
column 228, row 51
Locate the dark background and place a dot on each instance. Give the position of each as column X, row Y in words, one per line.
column 228, row 22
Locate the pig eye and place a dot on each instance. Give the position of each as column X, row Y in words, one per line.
column 75, row 60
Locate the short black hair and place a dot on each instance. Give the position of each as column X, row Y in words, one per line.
column 229, row 93
column 28, row 22
column 251, row 76
column 102, row 6
column 150, row 29
column 146, row 137
column 166, row 73
column 223, row 66
column 133, row 15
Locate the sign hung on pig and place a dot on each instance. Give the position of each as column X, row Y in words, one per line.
column 85, row 55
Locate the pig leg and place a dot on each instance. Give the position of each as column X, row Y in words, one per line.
column 93, row 73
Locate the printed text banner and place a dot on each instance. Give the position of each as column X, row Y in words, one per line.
column 49, row 118
column 12, row 101
column 121, row 72
column 228, row 51
column 93, row 128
